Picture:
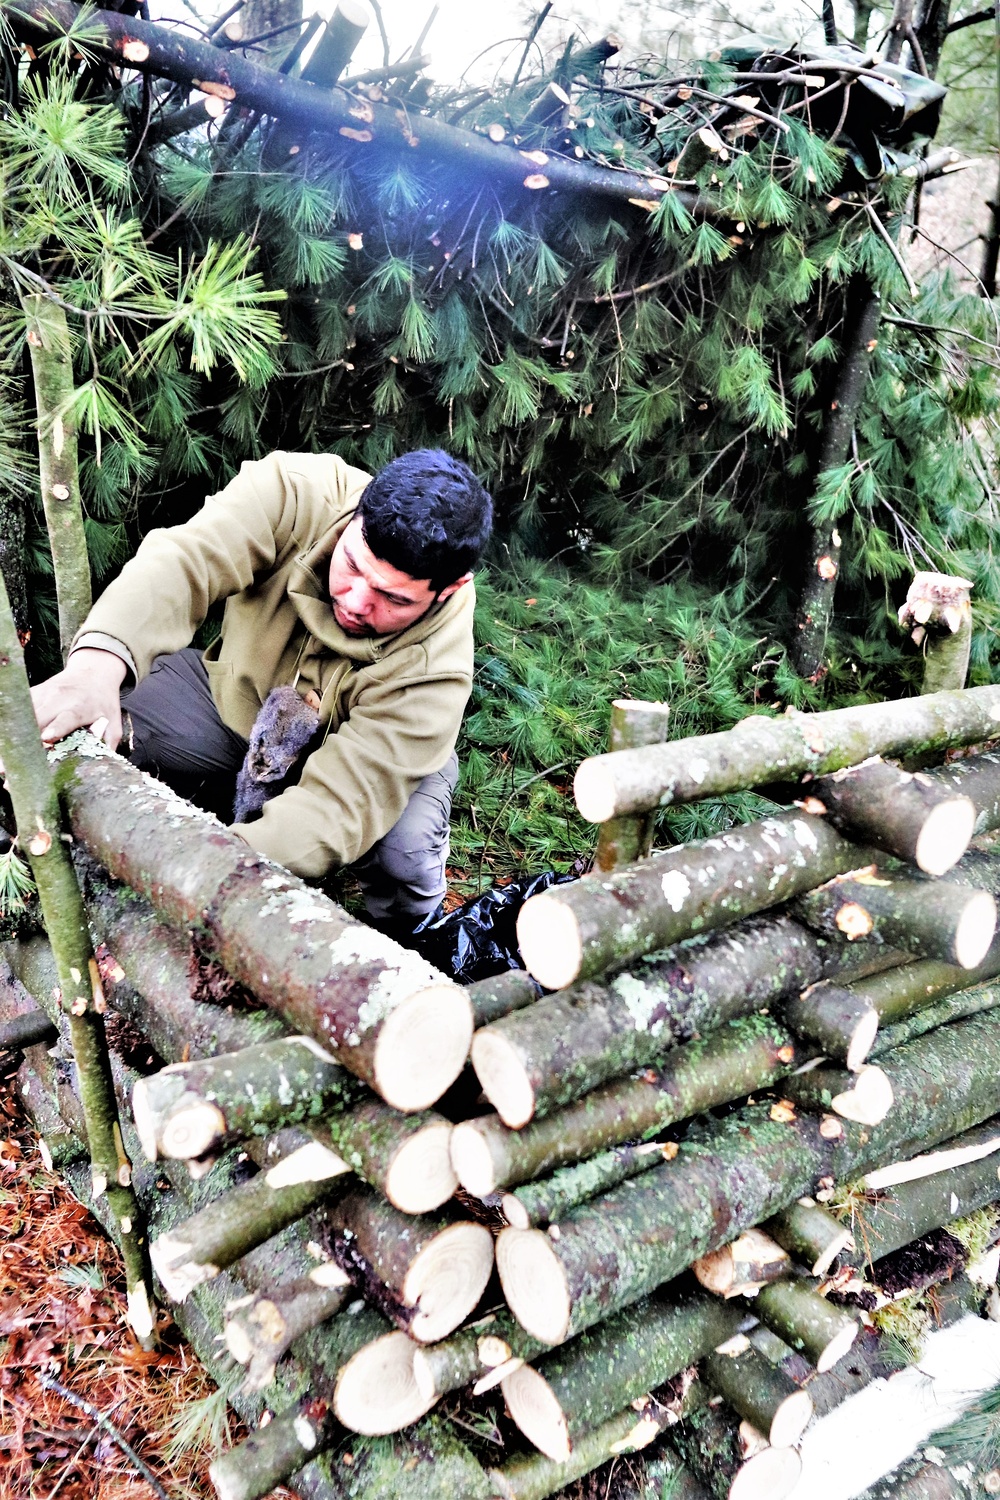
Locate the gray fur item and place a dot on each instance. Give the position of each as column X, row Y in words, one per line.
column 282, row 730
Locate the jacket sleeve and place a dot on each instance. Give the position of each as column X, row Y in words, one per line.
column 355, row 787
column 159, row 599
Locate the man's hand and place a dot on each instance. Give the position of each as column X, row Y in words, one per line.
column 83, row 694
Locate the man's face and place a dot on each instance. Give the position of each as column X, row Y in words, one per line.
column 369, row 596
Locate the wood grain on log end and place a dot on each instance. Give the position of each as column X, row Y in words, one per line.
column 594, row 790
column 534, row 1283
column 549, row 939
column 503, row 1076
column 770, row 1474
column 473, row 1160
column 837, row 1348
column 447, row 1278
column 514, row 1211
column 945, row 835
column 790, row 1420
column 870, row 1099
column 535, row 1409
column 421, row 1177
column 422, row 1046
column 743, row 1266
column 376, row 1392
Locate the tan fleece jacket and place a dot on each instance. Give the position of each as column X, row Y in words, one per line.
column 391, row 705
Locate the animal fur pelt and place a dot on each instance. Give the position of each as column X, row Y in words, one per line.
column 281, row 732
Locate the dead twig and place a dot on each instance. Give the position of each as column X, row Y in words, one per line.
column 106, row 1424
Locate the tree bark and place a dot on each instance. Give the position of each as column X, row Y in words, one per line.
column 52, row 372
column 906, row 814
column 816, row 607
column 806, row 1321
column 839, row 1019
column 557, row 1401
column 546, row 1200
column 498, row 996
column 736, row 1172
column 937, row 608
column 534, row 1476
column 26, row 1030
column 727, row 1064
column 132, row 43
column 384, row 1012
column 259, row 1333
column 865, row 1096
column 762, row 1394
column 810, row 1234
column 36, row 810
column 978, row 778
column 758, row 749
column 621, row 841
column 569, row 1043
column 268, row 1456
column 478, row 1355
column 956, row 1007
column 743, row 1266
column 574, row 931
column 931, row 919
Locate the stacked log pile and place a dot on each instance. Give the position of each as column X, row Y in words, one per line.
column 744, row 1033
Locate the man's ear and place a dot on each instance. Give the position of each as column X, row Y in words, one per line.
column 454, row 587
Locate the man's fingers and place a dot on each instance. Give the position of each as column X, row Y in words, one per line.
column 100, row 729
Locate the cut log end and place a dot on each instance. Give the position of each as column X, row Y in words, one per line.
column 503, row 1076
column 447, row 1279
column 837, row 1348
column 870, row 1099
column 514, row 1211
column 534, row 1283
column 790, row 1420
column 549, row 939
column 191, row 1132
column 535, row 1409
column 145, row 1125
column 472, row 1160
column 769, row 1475
column 838, row 1246
column 945, row 835
column 422, row 1047
column 376, row 1392
column 594, row 790
column 179, row 1274
column 862, row 1041
column 975, row 930
column 421, row 1177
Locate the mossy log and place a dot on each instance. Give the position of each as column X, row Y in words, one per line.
column 571, row 1042
column 741, row 1056
column 887, row 1220
column 268, row 1456
column 731, row 1175
column 32, row 791
column 958, row 1007
column 760, row 748
column 931, row 919
column 978, row 778
column 762, row 1394
column 794, row 1309
column 810, row 1234
column 503, row 993
column 574, row 931
column 545, row 1200
column 384, row 1012
column 260, row 1331
column 29, row 1029
column 731, row 1461
column 534, row 1476
column 59, row 1145
column 836, row 1017
column 621, row 841
column 743, row 1266
column 865, row 1095
column 558, row 1400
column 435, row 1267
column 478, row 1356
column 905, row 813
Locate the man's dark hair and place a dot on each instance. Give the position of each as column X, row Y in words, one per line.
column 427, row 514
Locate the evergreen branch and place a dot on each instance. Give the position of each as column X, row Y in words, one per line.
column 893, row 248
column 539, row 22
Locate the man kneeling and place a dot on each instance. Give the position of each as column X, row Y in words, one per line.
column 355, row 591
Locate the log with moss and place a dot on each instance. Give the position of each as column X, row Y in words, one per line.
column 810, row 1234
column 260, row 1330
column 930, row 919
column 501, row 994
column 976, row 777
column 741, row 1056
column 762, row 1395
column 534, row 1476
column 479, row 1355
column 742, row 1267
column 80, row 996
column 957, row 1007
column 559, row 1399
column 384, row 1012
column 732, row 1174
column 795, row 1311
column 733, row 1460
column 434, row 1268
column 865, row 1095
column 905, row 813
column 268, row 1456
column 759, row 749
column 574, row 931
column 545, row 1200
column 634, row 723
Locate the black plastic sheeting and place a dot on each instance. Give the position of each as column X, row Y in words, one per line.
column 479, row 939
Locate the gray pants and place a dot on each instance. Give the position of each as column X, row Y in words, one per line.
column 177, row 735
